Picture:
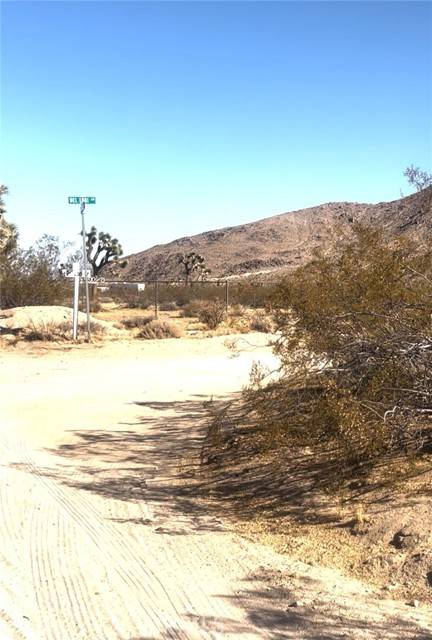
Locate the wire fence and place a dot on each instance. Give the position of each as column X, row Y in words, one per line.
column 161, row 295
column 168, row 295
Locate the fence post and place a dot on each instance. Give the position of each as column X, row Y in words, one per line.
column 226, row 299
column 156, row 299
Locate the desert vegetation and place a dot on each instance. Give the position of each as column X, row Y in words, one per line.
column 355, row 345
column 193, row 264
column 102, row 250
column 58, row 331
column 334, row 447
column 32, row 276
column 8, row 231
column 159, row 330
column 418, row 178
column 201, row 308
column 212, row 314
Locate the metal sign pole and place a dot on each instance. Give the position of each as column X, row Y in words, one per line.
column 85, row 272
column 75, row 307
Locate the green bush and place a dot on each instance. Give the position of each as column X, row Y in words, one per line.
column 355, row 346
column 32, row 277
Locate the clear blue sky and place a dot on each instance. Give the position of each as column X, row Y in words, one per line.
column 182, row 117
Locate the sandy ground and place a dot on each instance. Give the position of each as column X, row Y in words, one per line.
column 97, row 541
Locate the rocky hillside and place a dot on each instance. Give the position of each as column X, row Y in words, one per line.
column 281, row 242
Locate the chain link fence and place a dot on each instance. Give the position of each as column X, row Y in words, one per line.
column 169, row 295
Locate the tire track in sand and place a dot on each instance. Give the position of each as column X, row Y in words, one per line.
column 162, row 613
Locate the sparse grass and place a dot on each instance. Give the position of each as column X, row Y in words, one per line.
column 58, row 332
column 46, row 331
column 187, row 318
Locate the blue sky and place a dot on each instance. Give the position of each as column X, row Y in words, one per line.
column 186, row 116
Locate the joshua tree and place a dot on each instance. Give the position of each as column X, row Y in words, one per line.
column 103, row 250
column 193, row 263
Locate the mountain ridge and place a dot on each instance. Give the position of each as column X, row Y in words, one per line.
column 282, row 241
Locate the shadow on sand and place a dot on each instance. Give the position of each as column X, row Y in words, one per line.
column 157, row 460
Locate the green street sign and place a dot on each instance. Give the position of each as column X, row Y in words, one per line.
column 80, row 199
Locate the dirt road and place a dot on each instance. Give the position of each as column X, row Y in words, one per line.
column 97, row 540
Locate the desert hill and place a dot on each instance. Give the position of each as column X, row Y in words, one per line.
column 281, row 242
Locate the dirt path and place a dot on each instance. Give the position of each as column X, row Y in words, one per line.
column 97, row 540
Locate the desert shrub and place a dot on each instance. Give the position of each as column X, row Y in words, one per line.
column 356, row 353
column 260, row 321
column 158, row 330
column 32, row 277
column 46, row 331
column 96, row 329
column 212, row 314
column 136, row 322
column 239, row 324
column 32, row 288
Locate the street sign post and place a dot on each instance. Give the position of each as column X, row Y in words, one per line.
column 75, row 307
column 82, row 201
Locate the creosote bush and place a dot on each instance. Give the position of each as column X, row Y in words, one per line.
column 32, row 277
column 356, row 351
column 212, row 314
column 158, row 330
